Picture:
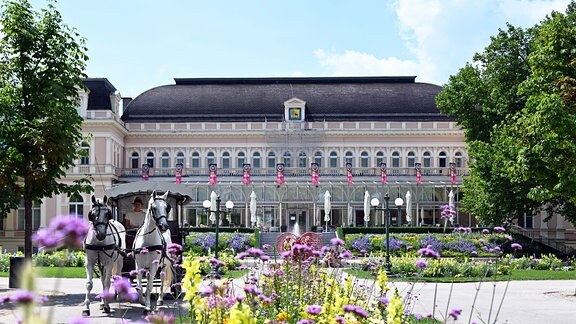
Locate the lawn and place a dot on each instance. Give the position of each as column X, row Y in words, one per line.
column 79, row 272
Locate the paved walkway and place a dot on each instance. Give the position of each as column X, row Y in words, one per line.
column 525, row 302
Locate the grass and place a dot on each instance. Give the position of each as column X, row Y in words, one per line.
column 516, row 275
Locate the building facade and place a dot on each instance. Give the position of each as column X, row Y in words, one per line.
column 282, row 144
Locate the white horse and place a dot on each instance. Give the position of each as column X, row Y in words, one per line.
column 150, row 245
column 104, row 246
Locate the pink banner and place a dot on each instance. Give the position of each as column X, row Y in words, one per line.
column 246, row 169
column 280, row 173
column 418, row 174
column 383, row 174
column 349, row 172
column 179, row 168
column 213, row 173
column 314, row 173
column 145, row 172
column 453, row 173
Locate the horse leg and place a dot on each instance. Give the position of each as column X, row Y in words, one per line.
column 160, row 300
column 149, row 285
column 89, row 275
column 106, row 277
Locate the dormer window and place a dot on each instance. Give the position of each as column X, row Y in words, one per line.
column 294, row 110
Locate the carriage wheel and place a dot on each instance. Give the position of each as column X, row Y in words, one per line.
column 284, row 242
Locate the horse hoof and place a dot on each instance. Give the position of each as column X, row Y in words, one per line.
column 86, row 312
column 101, row 306
column 106, row 309
column 147, row 312
column 160, row 303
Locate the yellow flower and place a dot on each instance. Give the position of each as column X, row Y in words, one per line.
column 395, row 310
column 382, row 280
column 241, row 314
column 282, row 316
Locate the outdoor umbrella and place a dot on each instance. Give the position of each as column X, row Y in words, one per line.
column 213, row 207
column 327, row 208
column 253, row 208
column 451, row 206
column 409, row 207
column 366, row 208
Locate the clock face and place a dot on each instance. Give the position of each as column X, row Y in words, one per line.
column 212, row 167
column 294, row 114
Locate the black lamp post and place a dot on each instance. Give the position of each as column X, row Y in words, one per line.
column 375, row 202
column 207, row 204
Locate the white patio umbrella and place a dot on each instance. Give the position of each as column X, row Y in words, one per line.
column 350, row 216
column 451, row 206
column 213, row 207
column 327, row 208
column 253, row 208
column 366, row 208
column 409, row 207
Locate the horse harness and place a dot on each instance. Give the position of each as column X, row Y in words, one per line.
column 109, row 247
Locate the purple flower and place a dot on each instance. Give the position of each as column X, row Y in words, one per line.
column 384, row 301
column 340, row 320
column 346, row 255
column 79, row 320
column 254, row 252
column 63, row 231
column 421, row 264
column 356, row 310
column 239, row 242
column 174, row 248
column 516, row 246
column 305, row 321
column 362, row 243
column 123, row 288
column 336, row 241
column 23, row 297
column 428, row 252
column 161, row 317
column 266, row 246
column 314, row 309
column 455, row 313
column 4, row 299
column 485, row 231
column 499, row 229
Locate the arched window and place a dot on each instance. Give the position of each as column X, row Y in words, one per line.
column 396, row 159
column 225, row 160
column 302, row 160
column 427, row 160
column 318, row 158
column 180, row 158
column 380, row 158
column 271, row 160
column 411, row 159
column 364, row 159
column 349, row 158
column 150, row 159
column 442, row 159
column 256, row 160
column 135, row 161
column 333, row 159
column 459, row 160
column 85, row 158
column 210, row 159
column 165, row 160
column 287, row 159
column 76, row 206
column 241, row 160
column 195, row 160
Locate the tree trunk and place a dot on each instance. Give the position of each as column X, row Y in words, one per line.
column 27, row 220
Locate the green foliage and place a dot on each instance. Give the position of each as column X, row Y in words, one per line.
column 41, row 70
column 63, row 258
column 517, row 102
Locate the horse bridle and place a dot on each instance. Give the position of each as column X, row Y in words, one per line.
column 95, row 222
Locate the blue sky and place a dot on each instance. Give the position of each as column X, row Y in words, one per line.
column 141, row 44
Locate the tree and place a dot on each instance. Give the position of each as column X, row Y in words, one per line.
column 41, row 71
column 516, row 105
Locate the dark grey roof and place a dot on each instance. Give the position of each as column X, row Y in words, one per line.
column 100, row 91
column 259, row 99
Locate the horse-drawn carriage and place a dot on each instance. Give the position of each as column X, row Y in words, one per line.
column 146, row 253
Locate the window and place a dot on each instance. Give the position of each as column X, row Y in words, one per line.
column 76, row 206
column 225, row 160
column 411, row 159
column 210, row 159
column 241, row 160
column 318, row 158
column 35, row 216
column 271, row 160
column 427, row 159
column 333, row 159
column 459, row 160
column 150, row 159
column 287, row 159
column 380, row 158
column 349, row 158
column 135, row 161
column 364, row 160
column 165, row 160
column 256, row 160
column 442, row 159
column 395, row 159
column 302, row 160
column 85, row 158
column 180, row 158
column 195, row 160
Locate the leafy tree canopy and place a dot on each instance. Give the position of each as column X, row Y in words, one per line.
column 516, row 104
column 41, row 71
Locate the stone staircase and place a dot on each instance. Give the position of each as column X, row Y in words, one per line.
column 271, row 237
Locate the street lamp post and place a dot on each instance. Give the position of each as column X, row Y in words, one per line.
column 375, row 202
column 217, row 212
column 399, row 202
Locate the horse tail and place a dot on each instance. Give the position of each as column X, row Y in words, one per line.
column 168, row 276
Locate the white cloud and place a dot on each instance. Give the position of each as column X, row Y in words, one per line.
column 441, row 35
